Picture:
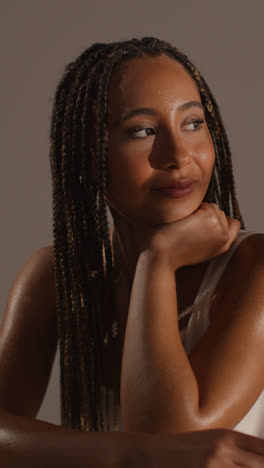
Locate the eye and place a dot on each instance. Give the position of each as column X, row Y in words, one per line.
column 197, row 123
column 141, row 132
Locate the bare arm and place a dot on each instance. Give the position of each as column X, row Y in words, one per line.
column 27, row 442
column 163, row 390
column 28, row 341
column 156, row 372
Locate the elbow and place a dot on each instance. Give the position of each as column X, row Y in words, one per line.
column 173, row 423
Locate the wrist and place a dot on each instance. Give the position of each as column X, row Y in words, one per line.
column 138, row 451
column 157, row 259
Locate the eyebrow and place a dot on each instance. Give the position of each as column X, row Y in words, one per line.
column 150, row 111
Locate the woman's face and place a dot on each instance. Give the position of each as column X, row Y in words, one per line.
column 157, row 134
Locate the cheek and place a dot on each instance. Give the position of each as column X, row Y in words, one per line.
column 206, row 156
column 128, row 167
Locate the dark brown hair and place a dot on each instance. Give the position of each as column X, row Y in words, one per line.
column 87, row 327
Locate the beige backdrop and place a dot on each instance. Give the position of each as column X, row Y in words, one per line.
column 38, row 38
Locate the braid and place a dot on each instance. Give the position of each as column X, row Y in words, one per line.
column 88, row 329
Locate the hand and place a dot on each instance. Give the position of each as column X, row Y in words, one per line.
column 217, row 448
column 202, row 235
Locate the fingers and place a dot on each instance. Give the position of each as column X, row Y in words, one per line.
column 245, row 450
column 248, row 459
column 230, row 225
column 237, row 449
column 249, row 443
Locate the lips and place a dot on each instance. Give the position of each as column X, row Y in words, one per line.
column 177, row 190
column 181, row 184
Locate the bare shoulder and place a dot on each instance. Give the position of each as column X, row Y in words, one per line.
column 247, row 259
column 36, row 278
column 28, row 335
column 228, row 359
column 251, row 248
column 243, row 276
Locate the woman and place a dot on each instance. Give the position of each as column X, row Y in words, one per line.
column 133, row 122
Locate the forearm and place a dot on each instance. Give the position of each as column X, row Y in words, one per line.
column 158, row 387
column 27, row 442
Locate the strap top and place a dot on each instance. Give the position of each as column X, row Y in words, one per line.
column 253, row 422
column 199, row 311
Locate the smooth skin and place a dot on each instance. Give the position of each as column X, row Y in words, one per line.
column 163, row 390
column 28, row 333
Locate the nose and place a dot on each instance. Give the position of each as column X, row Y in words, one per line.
column 173, row 151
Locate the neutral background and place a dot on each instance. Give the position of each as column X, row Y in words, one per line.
column 224, row 39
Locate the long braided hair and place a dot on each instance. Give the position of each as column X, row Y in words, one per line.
column 87, row 327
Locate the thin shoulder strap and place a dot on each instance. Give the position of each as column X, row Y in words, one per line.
column 199, row 320
column 218, row 264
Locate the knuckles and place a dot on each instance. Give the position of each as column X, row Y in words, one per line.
column 222, row 451
column 208, row 229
